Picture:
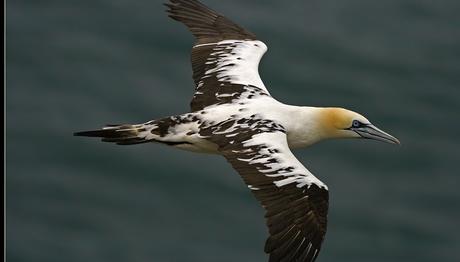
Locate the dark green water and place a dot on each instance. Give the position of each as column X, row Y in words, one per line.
column 74, row 65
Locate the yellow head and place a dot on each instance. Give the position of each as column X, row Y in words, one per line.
column 343, row 123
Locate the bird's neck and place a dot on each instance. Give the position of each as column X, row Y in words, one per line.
column 307, row 126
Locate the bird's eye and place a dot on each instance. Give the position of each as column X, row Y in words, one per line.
column 356, row 123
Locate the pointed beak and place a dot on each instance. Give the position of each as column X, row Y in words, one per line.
column 372, row 132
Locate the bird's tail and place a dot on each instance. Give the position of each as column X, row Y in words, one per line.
column 121, row 134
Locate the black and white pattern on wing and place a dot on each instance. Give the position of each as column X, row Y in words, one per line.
column 227, row 71
column 225, row 59
column 296, row 202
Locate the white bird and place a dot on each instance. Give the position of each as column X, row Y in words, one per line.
column 234, row 115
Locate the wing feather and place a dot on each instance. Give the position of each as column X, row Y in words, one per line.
column 206, row 25
column 225, row 58
column 296, row 202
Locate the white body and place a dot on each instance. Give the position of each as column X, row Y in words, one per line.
column 299, row 122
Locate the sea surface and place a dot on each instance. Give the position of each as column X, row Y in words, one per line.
column 74, row 65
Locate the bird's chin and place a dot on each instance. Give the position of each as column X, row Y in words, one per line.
column 347, row 133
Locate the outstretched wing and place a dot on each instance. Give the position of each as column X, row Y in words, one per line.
column 296, row 202
column 225, row 58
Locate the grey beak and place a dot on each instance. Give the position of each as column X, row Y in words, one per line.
column 372, row 132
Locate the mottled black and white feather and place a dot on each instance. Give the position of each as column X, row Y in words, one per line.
column 296, row 202
column 225, row 59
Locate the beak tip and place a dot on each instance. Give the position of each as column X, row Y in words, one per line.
column 393, row 140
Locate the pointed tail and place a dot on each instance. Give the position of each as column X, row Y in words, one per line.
column 120, row 134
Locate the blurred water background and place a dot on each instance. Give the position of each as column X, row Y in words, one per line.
column 75, row 65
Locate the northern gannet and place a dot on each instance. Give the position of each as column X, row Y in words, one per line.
column 233, row 115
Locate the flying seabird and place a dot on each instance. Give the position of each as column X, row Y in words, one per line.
column 233, row 115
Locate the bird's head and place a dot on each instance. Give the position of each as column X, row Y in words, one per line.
column 343, row 123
